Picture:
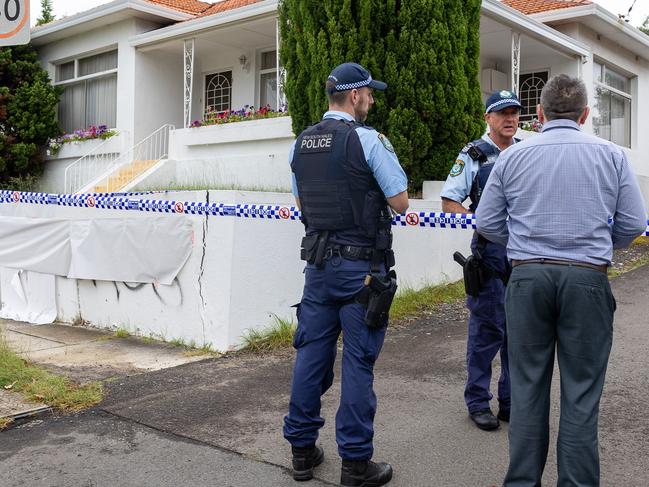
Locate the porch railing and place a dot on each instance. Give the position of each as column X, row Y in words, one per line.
column 89, row 166
column 131, row 163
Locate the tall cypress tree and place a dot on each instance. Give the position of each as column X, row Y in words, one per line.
column 46, row 13
column 426, row 50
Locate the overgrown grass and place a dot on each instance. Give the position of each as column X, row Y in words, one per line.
column 278, row 336
column 122, row 333
column 39, row 385
column 410, row 302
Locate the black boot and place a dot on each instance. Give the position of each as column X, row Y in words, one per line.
column 365, row 473
column 304, row 459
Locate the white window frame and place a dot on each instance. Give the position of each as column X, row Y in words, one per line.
column 204, row 90
column 520, row 94
column 281, row 77
column 629, row 96
column 76, row 79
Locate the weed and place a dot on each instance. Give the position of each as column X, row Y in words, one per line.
column 218, row 187
column 122, row 333
column 39, row 385
column 278, row 336
column 410, row 302
column 4, row 422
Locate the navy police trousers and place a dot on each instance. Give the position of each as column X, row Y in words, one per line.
column 487, row 335
column 326, row 310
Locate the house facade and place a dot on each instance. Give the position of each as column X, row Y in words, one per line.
column 139, row 65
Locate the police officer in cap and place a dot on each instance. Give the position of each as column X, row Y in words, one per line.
column 346, row 177
column 487, row 334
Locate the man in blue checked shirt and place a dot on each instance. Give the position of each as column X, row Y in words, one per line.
column 346, row 177
column 487, row 335
column 561, row 202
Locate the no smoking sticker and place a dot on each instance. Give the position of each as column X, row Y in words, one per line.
column 412, row 219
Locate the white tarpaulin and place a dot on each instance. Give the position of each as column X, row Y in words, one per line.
column 146, row 250
column 27, row 296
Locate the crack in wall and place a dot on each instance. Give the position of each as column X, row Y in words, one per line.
column 202, row 268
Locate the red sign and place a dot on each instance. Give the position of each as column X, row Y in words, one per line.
column 179, row 207
column 284, row 213
column 91, row 201
column 412, row 219
column 16, row 196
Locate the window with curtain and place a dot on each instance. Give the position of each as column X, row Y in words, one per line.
column 268, row 81
column 89, row 91
column 611, row 109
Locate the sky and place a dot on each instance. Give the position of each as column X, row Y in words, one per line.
column 69, row 7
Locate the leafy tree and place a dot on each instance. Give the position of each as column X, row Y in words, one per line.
column 426, row 50
column 27, row 113
column 46, row 13
column 645, row 26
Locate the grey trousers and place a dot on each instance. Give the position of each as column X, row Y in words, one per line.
column 568, row 309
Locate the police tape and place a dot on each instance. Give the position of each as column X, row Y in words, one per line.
column 124, row 201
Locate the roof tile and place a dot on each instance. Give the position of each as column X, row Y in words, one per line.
column 227, row 5
column 195, row 7
column 529, row 7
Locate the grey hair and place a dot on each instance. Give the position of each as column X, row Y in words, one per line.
column 564, row 97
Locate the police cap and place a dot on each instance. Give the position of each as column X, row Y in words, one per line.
column 349, row 76
column 501, row 100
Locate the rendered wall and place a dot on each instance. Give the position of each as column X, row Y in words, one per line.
column 241, row 272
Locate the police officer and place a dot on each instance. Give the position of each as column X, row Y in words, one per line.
column 487, row 334
column 346, row 176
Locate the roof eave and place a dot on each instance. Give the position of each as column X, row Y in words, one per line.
column 201, row 24
column 531, row 26
column 596, row 11
column 41, row 35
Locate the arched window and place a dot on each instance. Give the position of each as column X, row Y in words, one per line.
column 531, row 85
column 218, row 92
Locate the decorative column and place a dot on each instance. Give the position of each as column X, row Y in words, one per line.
column 516, row 61
column 189, row 79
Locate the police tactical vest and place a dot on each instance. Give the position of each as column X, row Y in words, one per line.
column 337, row 189
column 481, row 152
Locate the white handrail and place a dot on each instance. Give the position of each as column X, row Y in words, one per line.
column 87, row 166
column 133, row 162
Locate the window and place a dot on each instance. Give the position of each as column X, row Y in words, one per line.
column 218, row 92
column 268, row 81
column 612, row 107
column 531, row 85
column 89, row 91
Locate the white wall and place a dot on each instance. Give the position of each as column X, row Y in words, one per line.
column 241, row 272
column 158, row 91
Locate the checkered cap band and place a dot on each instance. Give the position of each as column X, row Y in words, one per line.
column 502, row 102
column 352, row 86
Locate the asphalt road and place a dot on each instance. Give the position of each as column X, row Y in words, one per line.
column 218, row 422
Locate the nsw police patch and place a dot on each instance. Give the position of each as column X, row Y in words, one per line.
column 386, row 143
column 457, row 168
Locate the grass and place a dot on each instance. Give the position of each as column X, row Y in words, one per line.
column 122, row 333
column 409, row 302
column 39, row 385
column 278, row 336
column 217, row 187
column 635, row 263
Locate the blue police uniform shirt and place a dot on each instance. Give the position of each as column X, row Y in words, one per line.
column 458, row 183
column 379, row 155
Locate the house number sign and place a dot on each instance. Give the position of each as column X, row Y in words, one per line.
column 14, row 22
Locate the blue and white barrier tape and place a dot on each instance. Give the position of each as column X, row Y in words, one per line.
column 122, row 201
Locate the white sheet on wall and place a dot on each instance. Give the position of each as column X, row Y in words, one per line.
column 143, row 250
column 27, row 296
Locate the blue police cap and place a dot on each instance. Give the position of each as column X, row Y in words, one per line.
column 501, row 100
column 348, row 76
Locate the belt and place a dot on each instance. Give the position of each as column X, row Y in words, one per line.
column 601, row 268
column 349, row 252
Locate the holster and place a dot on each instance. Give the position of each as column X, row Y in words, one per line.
column 377, row 296
column 472, row 272
column 313, row 248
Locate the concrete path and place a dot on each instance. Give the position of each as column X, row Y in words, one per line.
column 231, row 409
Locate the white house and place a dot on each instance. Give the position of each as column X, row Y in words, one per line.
column 138, row 65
